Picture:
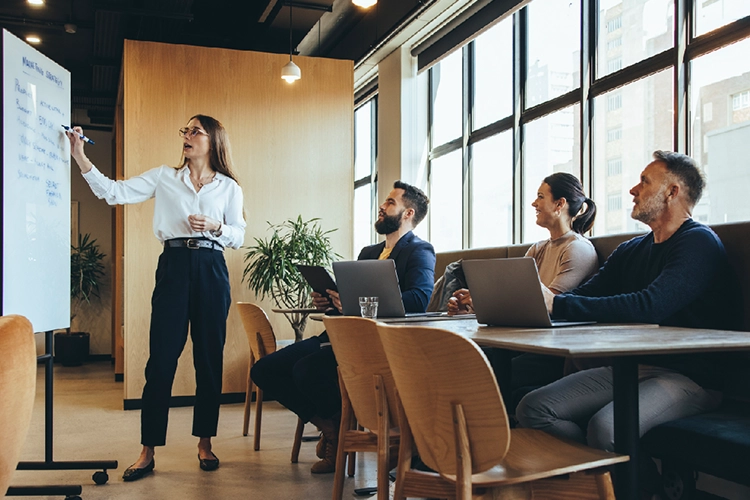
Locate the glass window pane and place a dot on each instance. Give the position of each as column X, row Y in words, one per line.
column 710, row 15
column 625, row 138
column 632, row 31
column 720, row 126
column 553, row 64
column 551, row 144
column 446, row 194
column 493, row 74
column 363, row 223
column 492, row 191
column 447, row 99
column 363, row 140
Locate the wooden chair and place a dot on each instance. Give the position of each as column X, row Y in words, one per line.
column 453, row 411
column 367, row 393
column 17, row 390
column 262, row 342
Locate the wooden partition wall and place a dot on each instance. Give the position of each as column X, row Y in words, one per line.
column 293, row 153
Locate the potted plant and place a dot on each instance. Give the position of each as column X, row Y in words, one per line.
column 86, row 273
column 271, row 269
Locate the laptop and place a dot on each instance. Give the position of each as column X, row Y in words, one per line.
column 508, row 292
column 372, row 278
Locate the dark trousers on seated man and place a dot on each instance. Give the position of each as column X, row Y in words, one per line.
column 303, row 376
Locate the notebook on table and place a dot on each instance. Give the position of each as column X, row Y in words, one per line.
column 372, row 278
column 508, row 292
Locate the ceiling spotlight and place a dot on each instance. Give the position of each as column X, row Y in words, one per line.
column 36, row 2
column 33, row 39
column 365, row 4
column 70, row 28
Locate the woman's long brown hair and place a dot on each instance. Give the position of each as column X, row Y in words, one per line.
column 220, row 153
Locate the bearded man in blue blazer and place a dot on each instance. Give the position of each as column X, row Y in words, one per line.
column 303, row 376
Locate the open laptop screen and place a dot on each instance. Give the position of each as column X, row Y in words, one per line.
column 369, row 278
column 508, row 292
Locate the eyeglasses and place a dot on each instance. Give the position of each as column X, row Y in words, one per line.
column 191, row 132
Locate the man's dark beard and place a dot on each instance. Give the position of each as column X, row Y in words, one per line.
column 389, row 224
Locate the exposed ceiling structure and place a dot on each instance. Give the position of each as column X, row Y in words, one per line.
column 86, row 36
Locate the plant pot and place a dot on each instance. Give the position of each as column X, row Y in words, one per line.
column 72, row 349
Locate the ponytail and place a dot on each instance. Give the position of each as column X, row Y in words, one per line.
column 585, row 220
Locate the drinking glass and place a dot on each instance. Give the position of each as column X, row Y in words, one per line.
column 369, row 306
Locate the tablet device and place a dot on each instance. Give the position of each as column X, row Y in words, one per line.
column 318, row 278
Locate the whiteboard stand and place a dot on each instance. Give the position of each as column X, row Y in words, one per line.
column 71, row 492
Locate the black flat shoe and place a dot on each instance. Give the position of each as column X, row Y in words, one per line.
column 209, row 464
column 133, row 474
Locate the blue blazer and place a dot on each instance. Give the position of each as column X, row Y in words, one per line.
column 415, row 267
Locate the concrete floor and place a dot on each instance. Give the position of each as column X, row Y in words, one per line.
column 90, row 424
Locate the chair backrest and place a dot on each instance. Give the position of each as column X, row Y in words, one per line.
column 17, row 390
column 360, row 356
column 255, row 321
column 434, row 370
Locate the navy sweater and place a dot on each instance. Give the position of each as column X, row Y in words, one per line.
column 684, row 281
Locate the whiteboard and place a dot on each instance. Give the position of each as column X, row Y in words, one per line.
column 35, row 187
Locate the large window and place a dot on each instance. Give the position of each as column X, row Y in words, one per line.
column 624, row 140
column 553, row 68
column 365, row 170
column 493, row 90
column 446, row 216
column 551, row 145
column 634, row 30
column 492, row 191
column 446, row 100
column 720, row 128
column 543, row 91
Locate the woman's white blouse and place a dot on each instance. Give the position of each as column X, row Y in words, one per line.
column 176, row 199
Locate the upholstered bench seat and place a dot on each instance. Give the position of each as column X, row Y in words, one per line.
column 717, row 443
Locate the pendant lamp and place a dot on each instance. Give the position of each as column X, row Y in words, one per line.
column 364, row 3
column 290, row 72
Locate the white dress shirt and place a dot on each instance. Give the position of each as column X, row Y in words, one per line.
column 176, row 199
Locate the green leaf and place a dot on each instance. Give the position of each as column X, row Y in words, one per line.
column 270, row 264
column 86, row 269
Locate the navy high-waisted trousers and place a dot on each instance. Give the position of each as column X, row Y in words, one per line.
column 192, row 288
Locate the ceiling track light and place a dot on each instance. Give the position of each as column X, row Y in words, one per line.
column 365, row 4
column 290, row 72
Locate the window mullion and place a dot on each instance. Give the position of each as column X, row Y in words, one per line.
column 467, row 119
column 373, row 169
column 682, row 32
column 588, row 67
column 520, row 37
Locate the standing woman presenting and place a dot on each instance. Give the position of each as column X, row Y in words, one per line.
column 197, row 213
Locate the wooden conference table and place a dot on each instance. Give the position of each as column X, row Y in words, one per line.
column 623, row 343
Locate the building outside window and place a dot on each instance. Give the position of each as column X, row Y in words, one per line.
column 614, row 167
column 488, row 157
column 720, row 138
column 365, row 173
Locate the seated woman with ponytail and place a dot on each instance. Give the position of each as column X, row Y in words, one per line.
column 565, row 260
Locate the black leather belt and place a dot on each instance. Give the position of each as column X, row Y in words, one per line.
column 193, row 243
